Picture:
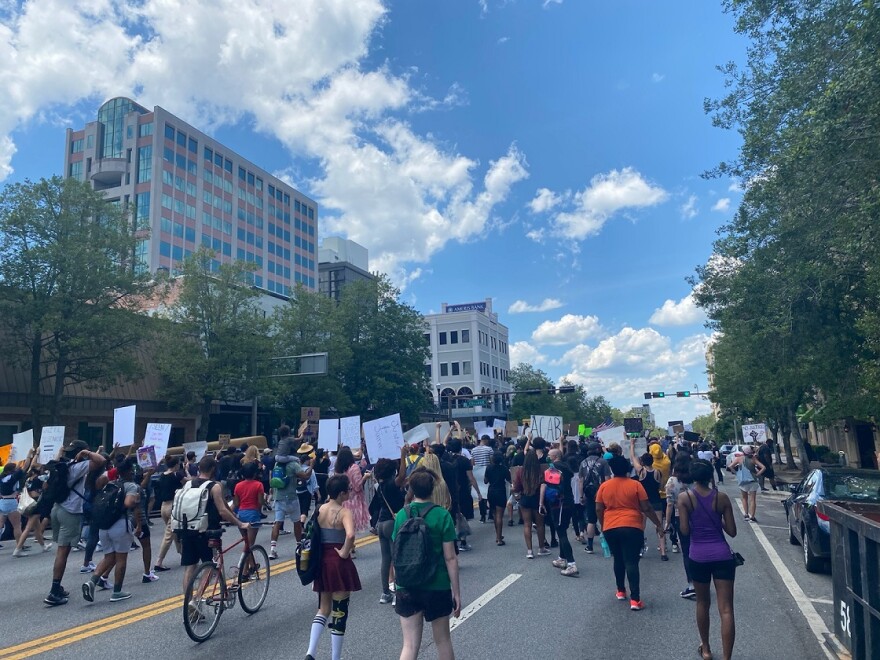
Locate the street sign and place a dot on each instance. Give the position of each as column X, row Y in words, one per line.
column 473, row 403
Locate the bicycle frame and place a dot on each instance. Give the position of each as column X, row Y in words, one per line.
column 227, row 593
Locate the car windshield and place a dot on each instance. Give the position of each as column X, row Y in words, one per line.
column 844, row 486
column 726, row 447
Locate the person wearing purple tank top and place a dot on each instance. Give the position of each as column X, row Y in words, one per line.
column 707, row 515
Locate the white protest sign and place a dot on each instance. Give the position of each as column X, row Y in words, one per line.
column 499, row 424
column 547, row 427
column 384, row 437
column 481, row 429
column 22, row 443
column 350, row 431
column 51, row 440
column 418, row 434
column 328, row 434
column 199, row 448
column 123, row 426
column 614, row 434
column 157, row 437
column 756, row 433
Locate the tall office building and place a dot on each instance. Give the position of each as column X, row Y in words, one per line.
column 341, row 262
column 186, row 189
column 469, row 356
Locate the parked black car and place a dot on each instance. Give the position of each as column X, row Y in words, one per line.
column 809, row 527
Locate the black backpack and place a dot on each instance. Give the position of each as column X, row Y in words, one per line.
column 108, row 505
column 413, row 556
column 593, row 478
column 57, row 489
column 308, row 551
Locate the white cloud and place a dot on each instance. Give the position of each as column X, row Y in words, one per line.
column 536, row 235
column 689, row 208
column 545, row 199
column 503, row 40
column 547, row 3
column 570, row 329
column 258, row 61
column 683, row 312
column 657, row 77
column 523, row 352
column 722, row 205
column 521, row 306
column 606, row 195
column 736, row 186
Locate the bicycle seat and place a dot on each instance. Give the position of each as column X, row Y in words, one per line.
column 214, row 533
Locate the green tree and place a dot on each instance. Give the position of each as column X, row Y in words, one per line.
column 214, row 345
column 69, row 289
column 538, row 400
column 705, row 425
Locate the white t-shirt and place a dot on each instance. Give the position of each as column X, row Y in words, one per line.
column 705, row 455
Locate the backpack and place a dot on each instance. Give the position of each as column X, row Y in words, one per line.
column 412, row 553
column 108, row 505
column 190, row 508
column 744, row 473
column 308, row 551
column 411, row 467
column 593, row 478
column 57, row 489
column 553, row 483
column 279, row 479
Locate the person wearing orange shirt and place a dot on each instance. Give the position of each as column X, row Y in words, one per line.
column 621, row 506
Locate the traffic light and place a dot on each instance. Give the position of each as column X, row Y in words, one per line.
column 658, row 395
column 647, row 395
column 685, row 393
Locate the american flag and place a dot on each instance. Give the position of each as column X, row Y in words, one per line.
column 607, row 424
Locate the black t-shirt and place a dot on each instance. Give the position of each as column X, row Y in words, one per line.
column 229, row 464
column 462, row 467
column 450, row 476
column 10, row 482
column 389, row 496
column 765, row 455
column 519, row 458
column 168, row 485
column 567, row 476
column 497, row 476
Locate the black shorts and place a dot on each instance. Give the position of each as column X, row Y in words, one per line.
column 529, row 502
column 703, row 572
column 194, row 549
column 769, row 473
column 305, row 502
column 433, row 604
column 590, row 509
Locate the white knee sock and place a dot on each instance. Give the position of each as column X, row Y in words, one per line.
column 336, row 646
column 318, row 624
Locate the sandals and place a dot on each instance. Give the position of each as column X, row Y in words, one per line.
column 702, row 655
column 501, row 542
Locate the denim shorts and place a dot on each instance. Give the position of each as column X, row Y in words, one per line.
column 249, row 515
column 8, row 505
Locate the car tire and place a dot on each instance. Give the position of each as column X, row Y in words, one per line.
column 812, row 563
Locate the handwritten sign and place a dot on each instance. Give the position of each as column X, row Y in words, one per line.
column 384, row 437
column 328, row 434
column 223, row 440
column 511, row 429
column 756, row 433
column 157, row 437
column 309, row 414
column 22, row 443
column 146, row 458
column 350, row 431
column 199, row 448
column 51, row 440
column 547, row 427
column 123, row 426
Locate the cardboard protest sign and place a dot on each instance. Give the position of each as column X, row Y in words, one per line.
column 157, row 437
column 328, row 434
column 384, row 437
column 123, row 426
column 5, row 452
column 224, row 439
column 309, row 414
column 22, row 443
column 547, row 427
column 350, row 431
column 51, row 439
column 511, row 429
column 200, row 449
column 146, row 457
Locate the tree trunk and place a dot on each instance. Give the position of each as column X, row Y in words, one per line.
column 58, row 390
column 786, row 442
column 796, row 432
column 202, row 435
column 35, row 401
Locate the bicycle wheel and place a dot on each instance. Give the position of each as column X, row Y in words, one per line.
column 253, row 581
column 203, row 602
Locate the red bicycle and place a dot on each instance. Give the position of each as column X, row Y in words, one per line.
column 208, row 594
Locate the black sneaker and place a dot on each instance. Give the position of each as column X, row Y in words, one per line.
column 54, row 599
column 554, row 543
column 689, row 593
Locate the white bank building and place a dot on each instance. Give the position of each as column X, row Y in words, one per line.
column 469, row 358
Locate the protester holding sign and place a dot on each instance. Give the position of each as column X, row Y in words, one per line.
column 11, row 482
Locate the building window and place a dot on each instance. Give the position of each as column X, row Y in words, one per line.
column 145, row 129
column 453, row 337
column 227, row 165
column 442, row 338
column 455, row 369
column 76, row 146
column 181, row 138
column 76, row 170
column 466, row 368
column 169, row 131
column 465, row 336
column 428, row 371
column 145, row 164
column 444, row 369
column 427, row 337
column 193, row 146
column 142, row 208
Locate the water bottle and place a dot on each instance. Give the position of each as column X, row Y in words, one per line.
column 304, row 557
column 606, row 551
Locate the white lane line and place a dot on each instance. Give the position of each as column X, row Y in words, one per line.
column 817, row 625
column 472, row 609
column 772, row 526
column 822, row 601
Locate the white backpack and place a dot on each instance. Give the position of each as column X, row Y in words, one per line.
column 190, row 508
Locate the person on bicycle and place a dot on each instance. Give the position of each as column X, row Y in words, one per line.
column 194, row 546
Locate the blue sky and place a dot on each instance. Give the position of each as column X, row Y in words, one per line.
column 546, row 154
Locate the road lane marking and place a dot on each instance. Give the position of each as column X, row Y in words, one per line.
column 814, row 621
column 483, row 600
column 60, row 639
column 773, row 526
column 822, row 601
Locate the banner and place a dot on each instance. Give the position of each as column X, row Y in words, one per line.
column 547, row 427
column 200, row 449
column 51, row 440
column 383, row 437
column 328, row 434
column 157, row 437
column 350, row 431
column 123, row 426
column 22, row 443
column 754, row 433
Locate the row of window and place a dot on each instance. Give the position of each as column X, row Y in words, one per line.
column 495, row 343
column 250, row 178
column 454, row 369
column 277, row 287
column 279, row 251
column 250, row 238
column 278, row 269
column 250, row 198
column 217, row 223
column 250, row 218
column 181, row 138
column 178, row 206
column 493, row 371
column 179, row 183
column 217, row 180
column 218, row 159
column 453, row 337
column 180, row 161
column 178, row 229
column 220, row 247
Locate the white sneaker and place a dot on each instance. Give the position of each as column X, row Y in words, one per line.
column 87, row 568
column 560, row 563
column 20, row 552
column 273, row 554
column 47, row 546
column 529, row 555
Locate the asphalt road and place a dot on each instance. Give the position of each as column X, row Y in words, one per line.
column 535, row 612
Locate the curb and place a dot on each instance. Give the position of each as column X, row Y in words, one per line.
column 837, row 650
